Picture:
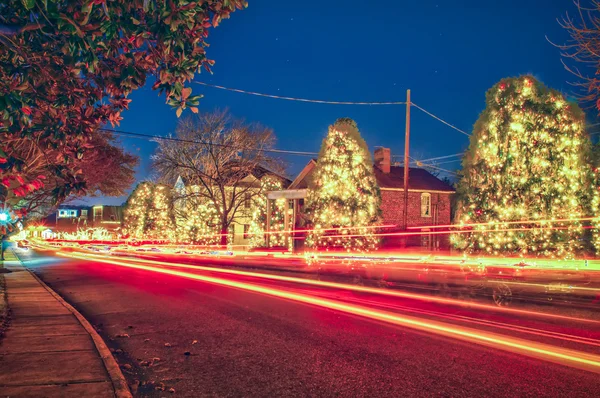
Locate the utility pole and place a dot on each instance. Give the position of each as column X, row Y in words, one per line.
column 406, row 160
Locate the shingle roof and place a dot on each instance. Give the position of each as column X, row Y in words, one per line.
column 419, row 179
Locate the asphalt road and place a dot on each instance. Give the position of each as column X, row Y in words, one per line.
column 204, row 339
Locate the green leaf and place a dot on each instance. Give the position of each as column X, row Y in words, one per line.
column 135, row 21
column 29, row 4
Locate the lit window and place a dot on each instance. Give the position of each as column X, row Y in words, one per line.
column 72, row 213
column 247, row 200
column 84, row 213
column 246, row 231
column 425, row 205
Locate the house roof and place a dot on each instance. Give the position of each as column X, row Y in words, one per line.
column 418, row 179
column 258, row 172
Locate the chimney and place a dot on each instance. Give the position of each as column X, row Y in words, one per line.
column 383, row 159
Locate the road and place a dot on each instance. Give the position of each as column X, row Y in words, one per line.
column 204, row 337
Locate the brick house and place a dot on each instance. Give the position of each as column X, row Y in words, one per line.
column 429, row 200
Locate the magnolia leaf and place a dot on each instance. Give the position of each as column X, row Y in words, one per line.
column 185, row 93
column 29, row 4
column 194, row 109
column 178, row 112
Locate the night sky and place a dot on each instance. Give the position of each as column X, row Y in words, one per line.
column 447, row 52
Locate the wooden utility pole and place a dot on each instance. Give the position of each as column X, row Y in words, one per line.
column 406, row 160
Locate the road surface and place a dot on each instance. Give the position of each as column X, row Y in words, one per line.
column 208, row 339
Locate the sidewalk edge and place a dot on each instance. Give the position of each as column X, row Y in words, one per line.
column 114, row 371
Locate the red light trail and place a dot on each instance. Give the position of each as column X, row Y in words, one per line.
column 542, row 351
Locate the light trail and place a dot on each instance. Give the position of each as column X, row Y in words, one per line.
column 482, row 231
column 483, row 322
column 545, row 352
column 335, row 285
column 550, row 221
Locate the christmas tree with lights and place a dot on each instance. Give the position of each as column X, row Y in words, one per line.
column 136, row 210
column 148, row 213
column 344, row 198
column 527, row 187
column 160, row 222
column 198, row 223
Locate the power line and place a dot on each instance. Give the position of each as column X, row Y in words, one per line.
column 300, row 99
column 151, row 137
column 439, row 119
column 332, row 102
column 444, row 157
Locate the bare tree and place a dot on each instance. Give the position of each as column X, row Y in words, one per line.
column 584, row 48
column 220, row 158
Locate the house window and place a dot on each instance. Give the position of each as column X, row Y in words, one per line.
column 63, row 213
column 425, row 205
column 246, row 231
column 247, row 200
column 84, row 213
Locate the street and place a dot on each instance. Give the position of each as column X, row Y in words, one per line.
column 209, row 339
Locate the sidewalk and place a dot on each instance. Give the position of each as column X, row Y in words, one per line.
column 49, row 350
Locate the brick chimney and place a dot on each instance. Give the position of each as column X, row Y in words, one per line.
column 383, row 158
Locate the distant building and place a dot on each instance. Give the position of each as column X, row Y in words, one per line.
column 70, row 218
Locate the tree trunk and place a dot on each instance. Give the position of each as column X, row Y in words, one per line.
column 224, row 234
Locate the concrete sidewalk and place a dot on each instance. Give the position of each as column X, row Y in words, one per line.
column 49, row 350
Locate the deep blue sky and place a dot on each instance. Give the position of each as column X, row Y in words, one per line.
column 447, row 52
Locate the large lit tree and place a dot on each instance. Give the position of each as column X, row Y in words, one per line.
column 149, row 214
column 527, row 167
column 344, row 197
column 160, row 222
column 136, row 208
column 197, row 221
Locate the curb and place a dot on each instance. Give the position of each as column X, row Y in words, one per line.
column 114, row 371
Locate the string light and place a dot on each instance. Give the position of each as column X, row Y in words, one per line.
column 527, row 159
column 344, row 191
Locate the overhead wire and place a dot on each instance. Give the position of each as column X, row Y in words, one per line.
column 440, row 119
column 300, row 99
column 175, row 139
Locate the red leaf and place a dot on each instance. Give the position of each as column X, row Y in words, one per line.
column 3, row 160
column 20, row 179
column 5, row 182
column 26, row 110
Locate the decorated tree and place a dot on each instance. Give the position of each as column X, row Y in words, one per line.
column 197, row 221
column 160, row 222
column 135, row 214
column 344, row 198
column 68, row 67
column 526, row 180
